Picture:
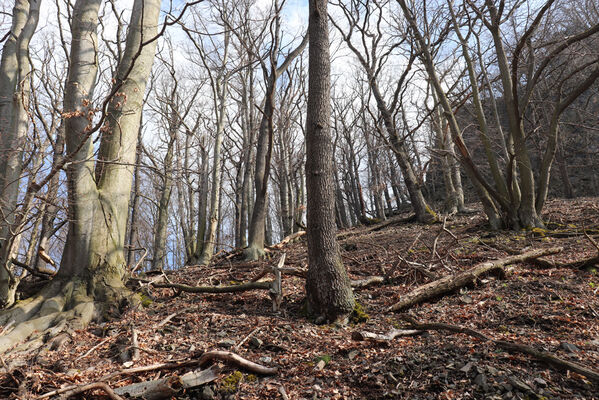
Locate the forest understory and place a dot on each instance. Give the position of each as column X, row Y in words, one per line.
column 547, row 305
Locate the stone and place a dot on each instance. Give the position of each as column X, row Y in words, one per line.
column 540, row 382
column 466, row 368
column 255, row 342
column 493, row 371
column 227, row 343
column 352, row 354
column 518, row 384
column 481, row 381
column 207, row 393
column 569, row 347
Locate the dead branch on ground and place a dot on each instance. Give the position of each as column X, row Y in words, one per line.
column 360, row 336
column 507, row 346
column 451, row 283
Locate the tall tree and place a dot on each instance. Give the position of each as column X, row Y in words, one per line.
column 15, row 69
column 328, row 289
column 90, row 279
column 271, row 73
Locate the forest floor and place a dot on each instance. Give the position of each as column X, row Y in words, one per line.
column 552, row 309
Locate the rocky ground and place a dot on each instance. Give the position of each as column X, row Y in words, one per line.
column 552, row 309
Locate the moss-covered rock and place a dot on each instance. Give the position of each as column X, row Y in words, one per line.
column 230, row 384
column 358, row 315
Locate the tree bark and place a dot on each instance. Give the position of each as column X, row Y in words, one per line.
column 15, row 68
column 328, row 290
column 98, row 205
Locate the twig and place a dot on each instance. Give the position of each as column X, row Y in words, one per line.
column 87, row 353
column 141, row 259
column 283, row 393
column 171, row 316
column 245, row 339
column 593, row 242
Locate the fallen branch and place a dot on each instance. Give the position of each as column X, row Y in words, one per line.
column 171, row 316
column 451, row 283
column 233, row 358
column 91, row 386
column 265, row 285
column 287, row 239
column 128, row 371
column 507, row 346
column 167, row 388
column 360, row 336
column 360, row 283
column 579, row 264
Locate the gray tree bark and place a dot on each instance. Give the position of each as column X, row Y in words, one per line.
column 328, row 289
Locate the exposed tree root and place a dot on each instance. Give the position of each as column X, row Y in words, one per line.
column 60, row 306
column 92, row 386
column 237, row 360
column 507, row 346
column 451, row 283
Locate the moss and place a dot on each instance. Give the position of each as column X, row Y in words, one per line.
column 251, row 378
column 145, row 300
column 325, row 357
column 432, row 214
column 358, row 315
column 230, row 384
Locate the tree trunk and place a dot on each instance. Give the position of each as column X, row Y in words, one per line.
column 160, row 231
column 133, row 222
column 98, row 205
column 328, row 290
column 14, row 124
column 209, row 240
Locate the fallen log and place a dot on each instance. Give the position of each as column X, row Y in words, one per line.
column 510, row 347
column 451, row 283
column 166, row 388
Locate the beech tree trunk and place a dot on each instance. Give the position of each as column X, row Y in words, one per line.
column 15, row 69
column 99, row 203
column 328, row 289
